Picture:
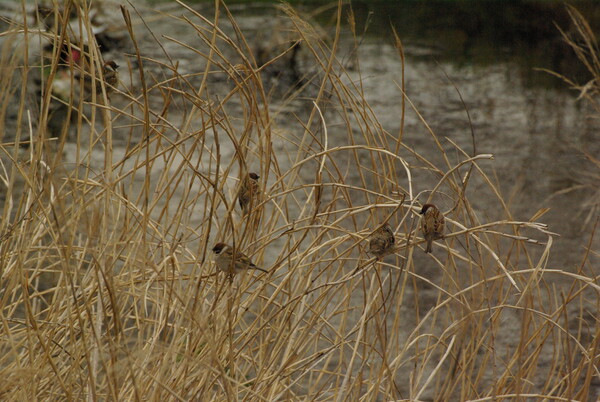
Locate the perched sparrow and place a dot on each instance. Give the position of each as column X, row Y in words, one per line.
column 110, row 76
column 432, row 224
column 249, row 192
column 231, row 261
column 381, row 241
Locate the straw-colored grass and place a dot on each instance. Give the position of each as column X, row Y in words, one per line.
column 108, row 289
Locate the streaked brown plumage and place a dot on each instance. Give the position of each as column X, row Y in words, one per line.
column 109, row 75
column 230, row 261
column 249, row 192
column 381, row 241
column 432, row 224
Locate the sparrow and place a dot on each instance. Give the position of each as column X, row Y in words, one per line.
column 432, row 224
column 231, row 261
column 249, row 192
column 109, row 75
column 381, row 241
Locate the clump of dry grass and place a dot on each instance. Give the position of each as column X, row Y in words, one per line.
column 107, row 286
column 582, row 41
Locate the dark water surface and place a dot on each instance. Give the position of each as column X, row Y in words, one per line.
column 530, row 120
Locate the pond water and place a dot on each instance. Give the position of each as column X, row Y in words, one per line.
column 530, row 120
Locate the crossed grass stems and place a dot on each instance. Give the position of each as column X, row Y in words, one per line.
column 107, row 286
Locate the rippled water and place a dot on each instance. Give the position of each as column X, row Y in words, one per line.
column 535, row 135
column 532, row 123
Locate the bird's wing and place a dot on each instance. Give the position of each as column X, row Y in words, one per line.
column 243, row 262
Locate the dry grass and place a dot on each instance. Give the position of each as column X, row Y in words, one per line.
column 582, row 41
column 108, row 291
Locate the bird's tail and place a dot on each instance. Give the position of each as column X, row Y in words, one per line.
column 429, row 243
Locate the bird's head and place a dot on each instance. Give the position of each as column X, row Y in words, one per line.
column 111, row 64
column 425, row 208
column 218, row 248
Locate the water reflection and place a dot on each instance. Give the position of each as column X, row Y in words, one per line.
column 483, row 32
column 528, row 119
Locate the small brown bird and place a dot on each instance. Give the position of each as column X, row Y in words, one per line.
column 109, row 75
column 249, row 193
column 381, row 241
column 231, row 261
column 432, row 224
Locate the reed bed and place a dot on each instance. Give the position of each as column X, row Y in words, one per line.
column 111, row 206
